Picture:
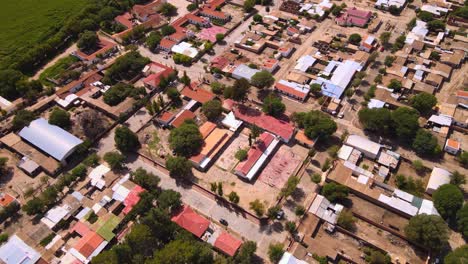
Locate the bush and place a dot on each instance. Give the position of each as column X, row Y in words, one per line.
column 22, row 119
column 462, row 220
column 355, row 39
column 300, row 210
column 335, row 192
column 46, row 240
column 114, row 159
column 145, row 179
column 275, row 252
column 418, row 166
column 233, row 197
column 347, row 220
column 125, row 139
column 425, row 144
column 92, row 160
column 60, row 118
column 290, row 186
column 258, row 207
column 241, row 154
column 179, row 167
column 316, row 178
column 192, row 7
column 291, row 227
column 273, row 106
column 262, row 79
column 117, row 94
column 3, row 238
column 458, row 256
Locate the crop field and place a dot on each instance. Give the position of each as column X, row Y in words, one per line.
column 24, row 23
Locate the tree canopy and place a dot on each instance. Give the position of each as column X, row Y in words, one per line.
column 88, row 41
column 275, row 252
column 212, row 109
column 448, row 199
column 179, row 167
column 458, row 256
column 377, row 120
column 22, row 119
column 262, row 79
column 423, row 102
column 425, row 144
column 249, row 5
column 238, row 92
column 186, row 140
column 315, row 124
column 125, row 67
column 355, row 39
column 273, row 106
column 60, row 118
column 428, row 230
column 145, row 179
column 335, row 192
column 114, row 159
column 125, row 139
column 406, row 123
column 153, row 40
column 462, row 220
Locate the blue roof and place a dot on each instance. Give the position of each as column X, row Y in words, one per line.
column 51, row 139
column 329, row 89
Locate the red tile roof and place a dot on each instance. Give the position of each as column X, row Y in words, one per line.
column 195, row 92
column 167, row 43
column 289, row 90
column 211, row 12
column 88, row 243
column 276, row 126
column 6, row 199
column 103, row 47
column 191, row 221
column 132, row 198
column 80, row 228
column 158, row 71
column 166, row 117
column 125, row 19
column 185, row 115
column 255, row 152
column 228, row 244
column 219, row 62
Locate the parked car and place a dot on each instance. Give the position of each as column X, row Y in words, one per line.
column 223, row 221
column 280, row 215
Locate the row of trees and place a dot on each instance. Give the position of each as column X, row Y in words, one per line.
column 13, row 85
column 402, row 123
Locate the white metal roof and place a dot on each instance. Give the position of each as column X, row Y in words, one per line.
column 15, row 251
column 231, row 122
column 427, row 207
column 344, row 73
column 288, row 258
column 363, row 143
column 244, row 71
column 54, row 215
column 438, row 177
column 185, row 48
column 345, row 152
column 304, row 62
column 442, row 120
column 374, row 103
column 51, row 139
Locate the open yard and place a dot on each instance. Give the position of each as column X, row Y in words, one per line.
column 24, row 23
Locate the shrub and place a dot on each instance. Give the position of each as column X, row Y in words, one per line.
column 241, row 154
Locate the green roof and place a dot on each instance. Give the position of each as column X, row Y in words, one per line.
column 105, row 229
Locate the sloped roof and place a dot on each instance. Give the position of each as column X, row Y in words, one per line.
column 227, row 243
column 191, row 221
column 51, row 139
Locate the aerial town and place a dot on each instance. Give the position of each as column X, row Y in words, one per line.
column 233, row 131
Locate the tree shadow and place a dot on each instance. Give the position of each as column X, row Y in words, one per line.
column 298, row 194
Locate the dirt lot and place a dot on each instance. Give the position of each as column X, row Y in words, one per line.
column 227, row 161
column 236, row 15
column 396, row 247
column 16, row 182
column 155, row 143
column 377, row 214
column 407, row 169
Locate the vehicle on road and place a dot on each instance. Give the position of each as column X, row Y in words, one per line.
column 223, row 221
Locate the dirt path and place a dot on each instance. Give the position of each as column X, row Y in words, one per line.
column 54, row 60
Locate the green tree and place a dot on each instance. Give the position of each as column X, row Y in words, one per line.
column 220, row 189
column 347, row 220
column 185, row 79
column 428, row 230
column 88, row 41
column 173, row 94
column 395, row 85
column 181, row 59
column 153, row 40
column 184, row 251
column 315, row 124
column 212, row 109
column 168, row 9
column 219, row 37
column 389, row 60
column 273, row 212
column 3, row 165
column 355, row 39
column 233, row 197
column 316, row 89
column 299, row 210
column 33, row 206
column 258, row 207
column 335, row 192
column 273, row 106
column 376, row 120
column 458, row 256
column 125, row 139
column 117, row 94
column 418, row 166
column 217, row 87
column 145, row 179
column 179, row 167
column 399, row 43
column 249, row 5
column 167, row 30
column 169, row 200
column 423, row 102
column 241, row 154
column 425, row 16
column 238, row 92
column 60, row 118
column 457, row 178
column 394, row 10
column 290, row 186
column 22, row 119
column 425, row 143
column 290, row 227
column 385, row 37
column 275, row 252
column 186, row 140
column 435, row 25
column 462, row 220
column 258, row 18
column 192, row 7
column 262, row 79
column 114, row 159
column 246, row 253
column 463, row 158
column 125, row 67
column 434, row 56
column 448, row 199
column 406, row 123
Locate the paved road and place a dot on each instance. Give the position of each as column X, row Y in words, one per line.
column 208, row 207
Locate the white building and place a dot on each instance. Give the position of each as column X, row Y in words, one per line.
column 438, row 178
column 386, row 4
column 435, row 10
column 186, row 49
column 15, row 251
column 244, row 71
column 369, row 148
column 304, row 63
column 288, row 258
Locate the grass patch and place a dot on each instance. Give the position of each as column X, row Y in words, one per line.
column 26, row 23
column 57, row 69
column 44, row 242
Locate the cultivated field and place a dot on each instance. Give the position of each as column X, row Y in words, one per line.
column 24, row 23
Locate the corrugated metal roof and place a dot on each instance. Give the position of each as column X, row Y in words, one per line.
column 51, row 139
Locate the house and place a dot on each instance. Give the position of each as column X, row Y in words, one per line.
column 294, row 90
column 288, row 258
column 257, row 156
column 51, row 139
column 291, row 31
column 186, row 49
column 227, row 244
column 89, row 244
column 304, row 63
column 154, row 73
column 434, row 80
column 29, row 166
column 103, row 49
column 454, row 59
column 325, row 210
column 244, row 71
column 195, row 92
column 166, row 44
column 16, row 251
column 281, row 128
column 303, row 140
column 181, row 117
column 438, row 178
column 437, row 11
column 354, row 17
column 452, row 146
column 198, row 21
column 270, row 65
column 191, row 221
column 127, row 192
column 386, row 4
column 214, row 139
column 368, row 43
column 369, row 148
column 213, row 14
column 144, row 12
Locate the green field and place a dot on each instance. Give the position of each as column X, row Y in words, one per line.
column 24, row 23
